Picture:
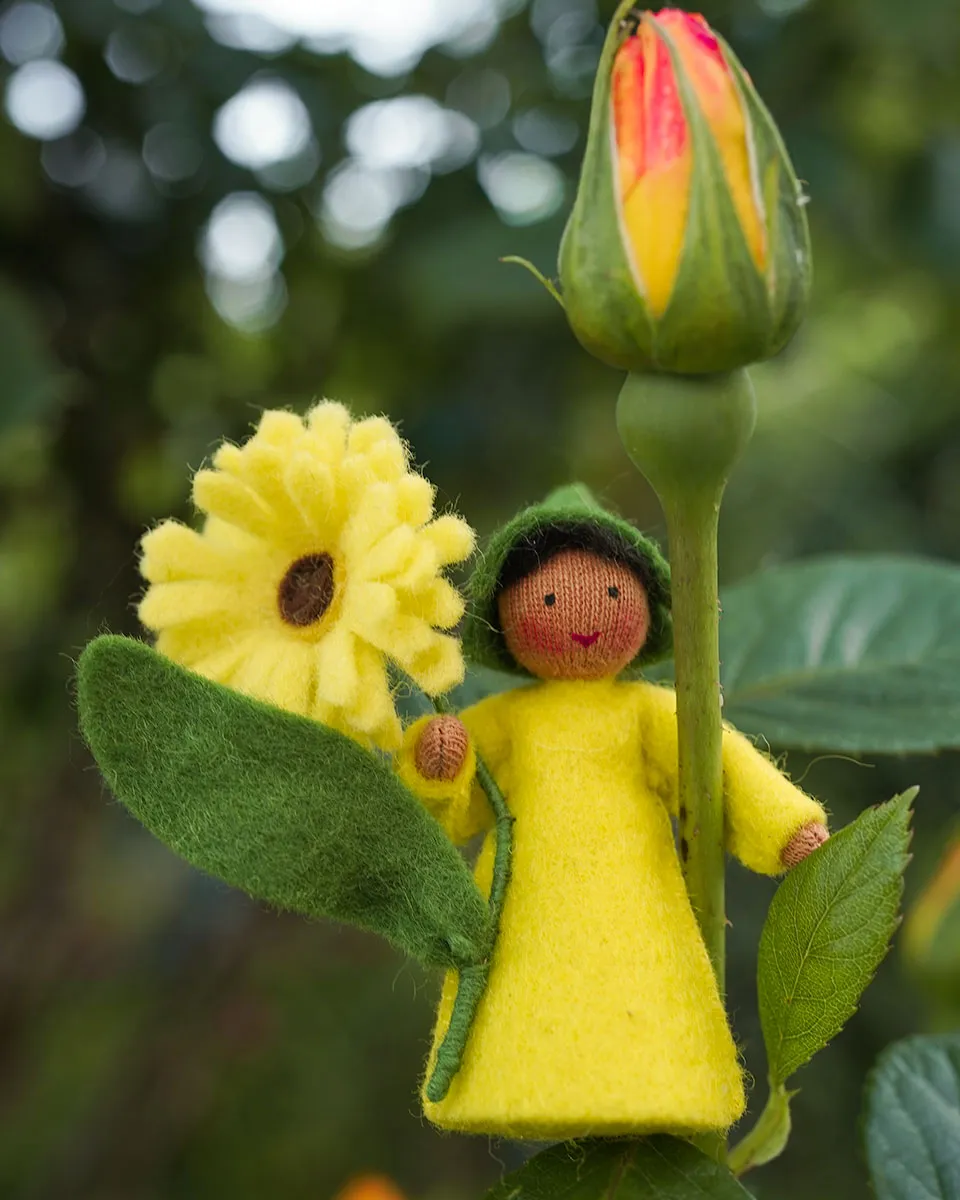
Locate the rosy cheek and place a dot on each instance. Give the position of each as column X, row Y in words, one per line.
column 541, row 634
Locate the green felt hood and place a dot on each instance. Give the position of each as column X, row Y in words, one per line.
column 574, row 511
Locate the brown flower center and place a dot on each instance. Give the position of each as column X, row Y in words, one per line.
column 306, row 591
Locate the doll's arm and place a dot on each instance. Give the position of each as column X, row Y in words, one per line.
column 771, row 824
column 455, row 799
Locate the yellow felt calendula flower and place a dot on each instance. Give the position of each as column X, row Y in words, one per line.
column 320, row 558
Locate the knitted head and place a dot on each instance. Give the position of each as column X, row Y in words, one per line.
column 566, row 532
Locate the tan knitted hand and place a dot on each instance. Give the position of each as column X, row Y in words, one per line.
column 804, row 842
column 442, row 748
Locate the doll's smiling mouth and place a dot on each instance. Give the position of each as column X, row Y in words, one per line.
column 585, row 639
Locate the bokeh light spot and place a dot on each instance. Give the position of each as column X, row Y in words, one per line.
column 523, row 188
column 546, row 133
column 264, row 123
column 45, row 100
column 29, row 31
column 482, row 95
column 411, row 131
column 172, row 152
column 135, row 54
column 242, row 241
column 359, row 203
column 74, row 161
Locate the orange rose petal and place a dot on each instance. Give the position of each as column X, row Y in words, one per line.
column 722, row 107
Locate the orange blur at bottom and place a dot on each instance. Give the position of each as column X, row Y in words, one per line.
column 371, row 1187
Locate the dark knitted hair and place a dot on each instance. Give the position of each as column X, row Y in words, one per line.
column 540, row 545
column 569, row 519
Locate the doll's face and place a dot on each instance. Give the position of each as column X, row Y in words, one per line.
column 579, row 616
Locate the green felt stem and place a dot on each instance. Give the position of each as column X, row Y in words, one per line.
column 472, row 980
column 685, row 434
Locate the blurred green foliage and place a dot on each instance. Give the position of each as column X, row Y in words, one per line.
column 159, row 1035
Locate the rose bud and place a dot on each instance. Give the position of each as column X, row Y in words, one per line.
column 687, row 250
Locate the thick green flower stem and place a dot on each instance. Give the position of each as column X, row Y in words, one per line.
column 685, row 433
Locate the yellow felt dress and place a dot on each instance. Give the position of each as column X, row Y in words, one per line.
column 601, row 1014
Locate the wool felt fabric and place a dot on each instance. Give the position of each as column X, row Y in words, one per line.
column 601, row 1014
column 570, row 518
column 319, row 560
column 290, row 811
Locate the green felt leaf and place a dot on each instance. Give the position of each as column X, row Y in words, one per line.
column 826, row 932
column 656, row 1168
column 912, row 1124
column 292, row 812
column 855, row 654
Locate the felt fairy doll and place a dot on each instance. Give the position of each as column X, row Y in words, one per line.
column 601, row 1013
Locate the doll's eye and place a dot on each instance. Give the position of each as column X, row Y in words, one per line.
column 549, row 599
column 613, row 592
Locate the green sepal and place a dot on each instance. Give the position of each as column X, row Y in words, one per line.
column 290, row 811
column 789, row 275
column 718, row 318
column 607, row 313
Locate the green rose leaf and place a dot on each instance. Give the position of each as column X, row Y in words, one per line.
column 826, row 932
column 913, row 1120
column 855, row 654
column 655, row 1168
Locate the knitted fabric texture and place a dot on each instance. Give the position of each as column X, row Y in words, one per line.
column 442, row 749
column 569, row 519
column 601, row 1014
column 290, row 811
column 803, row 844
column 577, row 616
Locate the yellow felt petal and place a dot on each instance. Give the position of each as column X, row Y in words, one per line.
column 193, row 641
column 226, row 497
column 439, row 668
column 311, row 486
column 378, row 441
column 336, row 665
column 373, row 709
column 368, row 606
column 280, row 428
column 292, row 682
column 187, row 600
column 415, row 496
column 374, row 515
column 390, row 555
column 438, row 604
column 222, row 665
column 420, row 569
column 254, row 675
column 405, row 639
column 452, row 537
column 233, row 543
column 329, row 424
column 174, row 551
column 261, row 468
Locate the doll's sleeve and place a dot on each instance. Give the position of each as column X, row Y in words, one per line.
column 658, row 724
column 459, row 804
column 763, row 808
